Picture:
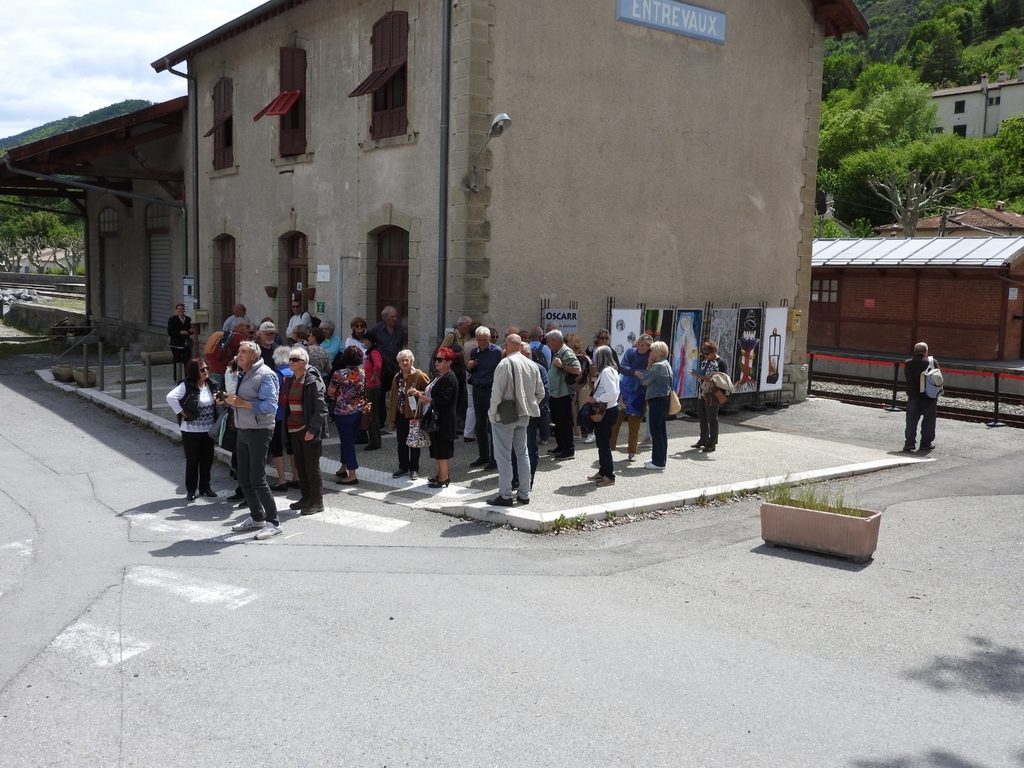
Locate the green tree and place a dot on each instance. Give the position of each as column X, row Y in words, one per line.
column 941, row 67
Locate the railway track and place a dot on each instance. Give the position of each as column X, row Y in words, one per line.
column 956, row 412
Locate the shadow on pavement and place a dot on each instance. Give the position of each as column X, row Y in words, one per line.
column 811, row 558
column 991, row 669
column 190, row 548
column 462, row 530
column 936, row 758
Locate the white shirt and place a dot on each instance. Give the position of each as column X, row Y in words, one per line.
column 606, row 387
column 303, row 319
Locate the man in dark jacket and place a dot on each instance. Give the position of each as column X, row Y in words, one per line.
column 179, row 331
column 306, row 423
column 482, row 363
column 920, row 407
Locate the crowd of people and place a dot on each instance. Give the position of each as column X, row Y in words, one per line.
column 265, row 398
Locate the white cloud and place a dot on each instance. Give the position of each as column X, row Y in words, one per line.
column 66, row 57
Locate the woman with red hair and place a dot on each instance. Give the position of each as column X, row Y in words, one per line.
column 441, row 396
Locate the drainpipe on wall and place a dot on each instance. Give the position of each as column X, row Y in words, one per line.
column 442, row 190
column 193, row 108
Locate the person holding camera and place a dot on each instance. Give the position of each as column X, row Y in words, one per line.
column 193, row 401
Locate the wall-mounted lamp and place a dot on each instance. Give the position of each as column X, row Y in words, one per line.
column 499, row 125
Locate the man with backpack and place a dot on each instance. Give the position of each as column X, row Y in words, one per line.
column 924, row 384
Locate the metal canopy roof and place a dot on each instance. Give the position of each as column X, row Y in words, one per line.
column 918, row 252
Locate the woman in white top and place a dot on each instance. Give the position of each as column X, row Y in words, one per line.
column 605, row 393
column 194, row 403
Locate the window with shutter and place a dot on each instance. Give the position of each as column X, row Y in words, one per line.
column 290, row 103
column 387, row 83
column 223, row 125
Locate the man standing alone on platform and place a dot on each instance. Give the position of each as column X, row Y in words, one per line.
column 179, row 330
column 920, row 407
column 482, row 363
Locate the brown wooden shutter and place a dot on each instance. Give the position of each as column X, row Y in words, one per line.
column 399, row 48
column 293, row 124
column 223, row 156
column 381, row 43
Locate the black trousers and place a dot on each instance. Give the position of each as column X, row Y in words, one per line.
column 373, row 394
column 307, row 464
column 198, row 460
column 482, row 404
column 561, row 413
column 408, row 458
column 708, row 415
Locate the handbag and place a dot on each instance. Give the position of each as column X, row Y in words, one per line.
column 674, row 406
column 508, row 412
column 219, row 425
column 429, row 421
column 367, row 418
column 597, row 411
column 418, row 437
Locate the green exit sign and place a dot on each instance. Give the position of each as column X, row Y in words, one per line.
column 320, row 308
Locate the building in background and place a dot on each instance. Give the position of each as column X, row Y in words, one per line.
column 973, row 111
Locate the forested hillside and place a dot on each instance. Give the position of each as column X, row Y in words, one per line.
column 70, row 123
column 877, row 114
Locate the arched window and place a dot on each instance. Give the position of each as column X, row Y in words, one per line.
column 158, row 235
column 393, row 270
column 109, row 228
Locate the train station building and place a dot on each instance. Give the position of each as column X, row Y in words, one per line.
column 654, row 153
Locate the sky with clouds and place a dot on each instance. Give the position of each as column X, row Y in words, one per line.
column 69, row 57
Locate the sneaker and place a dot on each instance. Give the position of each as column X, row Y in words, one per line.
column 268, row 530
column 632, row 457
column 604, row 482
column 590, row 438
column 651, row 465
column 247, row 525
column 400, row 473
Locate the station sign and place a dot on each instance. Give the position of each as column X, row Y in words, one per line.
column 677, row 18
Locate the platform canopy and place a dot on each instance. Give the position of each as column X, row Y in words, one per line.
column 919, row 252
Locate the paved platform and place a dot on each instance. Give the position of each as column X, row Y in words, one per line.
column 753, row 452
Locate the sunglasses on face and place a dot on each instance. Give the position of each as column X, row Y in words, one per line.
column 440, row 359
column 296, row 360
column 203, row 370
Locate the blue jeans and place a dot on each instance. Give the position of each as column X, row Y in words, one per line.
column 921, row 408
column 347, row 428
column 657, row 423
column 253, row 445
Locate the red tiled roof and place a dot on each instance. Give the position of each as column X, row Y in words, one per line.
column 983, row 218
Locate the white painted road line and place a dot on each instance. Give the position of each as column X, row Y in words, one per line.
column 378, row 477
column 103, row 647
column 192, row 589
column 181, row 528
column 359, row 520
column 23, row 548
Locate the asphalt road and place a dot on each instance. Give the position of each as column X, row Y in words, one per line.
column 138, row 631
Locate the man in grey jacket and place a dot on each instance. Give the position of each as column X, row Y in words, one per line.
column 255, row 404
column 516, row 379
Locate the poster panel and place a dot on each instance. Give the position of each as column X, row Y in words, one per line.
column 660, row 323
column 748, row 351
column 723, row 333
column 686, row 351
column 773, row 352
column 625, row 329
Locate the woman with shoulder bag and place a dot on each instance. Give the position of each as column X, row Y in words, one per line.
column 657, row 381
column 196, row 407
column 403, row 414
column 441, row 397
column 605, row 397
column 707, row 403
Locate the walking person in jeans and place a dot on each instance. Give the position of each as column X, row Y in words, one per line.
column 306, row 425
column 920, row 407
column 657, row 380
column 255, row 404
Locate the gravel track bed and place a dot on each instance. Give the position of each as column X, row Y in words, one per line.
column 984, row 404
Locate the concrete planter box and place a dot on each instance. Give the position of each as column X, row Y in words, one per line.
column 65, row 373
column 843, row 535
column 80, row 378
